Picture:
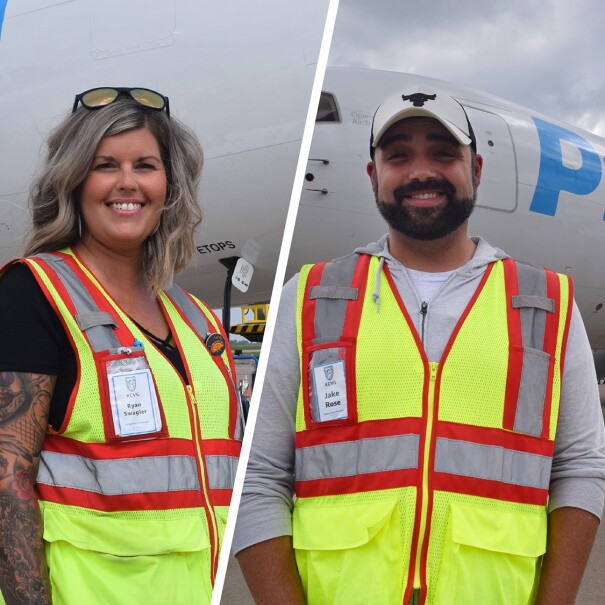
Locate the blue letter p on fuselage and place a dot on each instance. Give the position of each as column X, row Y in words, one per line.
column 554, row 176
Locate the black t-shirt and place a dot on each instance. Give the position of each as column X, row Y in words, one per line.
column 33, row 340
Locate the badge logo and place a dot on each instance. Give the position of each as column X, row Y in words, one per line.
column 418, row 99
column 131, row 383
column 215, row 343
column 329, row 372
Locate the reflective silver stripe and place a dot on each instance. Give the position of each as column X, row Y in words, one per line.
column 493, row 463
column 119, row 477
column 101, row 337
column 532, row 283
column 534, row 373
column 349, row 458
column 335, row 292
column 190, row 311
column 530, row 403
column 95, row 318
column 537, row 302
column 329, row 312
column 221, row 471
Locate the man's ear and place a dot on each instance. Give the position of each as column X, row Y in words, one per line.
column 371, row 169
column 477, row 168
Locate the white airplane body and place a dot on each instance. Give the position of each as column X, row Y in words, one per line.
column 541, row 198
column 239, row 73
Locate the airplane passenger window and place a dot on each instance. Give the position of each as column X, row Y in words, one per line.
column 328, row 109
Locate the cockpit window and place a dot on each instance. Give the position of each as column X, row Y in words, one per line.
column 328, row 109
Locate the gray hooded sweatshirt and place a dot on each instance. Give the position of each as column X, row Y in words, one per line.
column 578, row 470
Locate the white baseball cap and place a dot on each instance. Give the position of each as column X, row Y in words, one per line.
column 423, row 102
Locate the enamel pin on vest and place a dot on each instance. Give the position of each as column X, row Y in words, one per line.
column 215, row 343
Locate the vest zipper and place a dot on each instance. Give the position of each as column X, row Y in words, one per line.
column 213, row 528
column 424, row 307
column 428, row 436
column 415, row 598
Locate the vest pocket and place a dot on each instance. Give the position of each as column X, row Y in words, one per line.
column 125, row 535
column 349, row 553
column 99, row 558
column 536, row 367
column 491, row 556
column 80, row 577
column 328, row 384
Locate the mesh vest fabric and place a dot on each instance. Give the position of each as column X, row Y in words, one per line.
column 126, row 543
column 421, row 486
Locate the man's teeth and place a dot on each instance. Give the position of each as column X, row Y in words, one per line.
column 125, row 206
column 424, row 196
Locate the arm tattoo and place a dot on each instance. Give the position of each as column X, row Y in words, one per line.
column 24, row 405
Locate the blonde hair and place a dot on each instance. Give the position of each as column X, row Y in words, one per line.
column 54, row 195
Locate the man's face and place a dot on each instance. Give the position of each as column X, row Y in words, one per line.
column 425, row 182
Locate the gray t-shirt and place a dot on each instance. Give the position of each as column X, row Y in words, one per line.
column 578, row 470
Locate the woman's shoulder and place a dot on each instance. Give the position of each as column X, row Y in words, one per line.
column 33, row 338
column 19, row 278
column 16, row 275
column 20, row 294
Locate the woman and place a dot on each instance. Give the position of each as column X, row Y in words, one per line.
column 119, row 421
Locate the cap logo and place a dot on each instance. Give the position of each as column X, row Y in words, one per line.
column 418, row 99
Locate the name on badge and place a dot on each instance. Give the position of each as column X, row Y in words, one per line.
column 134, row 403
column 330, row 391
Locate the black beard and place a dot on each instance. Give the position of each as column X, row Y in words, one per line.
column 427, row 223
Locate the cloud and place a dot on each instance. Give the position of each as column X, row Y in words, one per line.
column 547, row 56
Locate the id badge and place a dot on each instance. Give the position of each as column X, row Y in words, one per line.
column 330, row 389
column 132, row 397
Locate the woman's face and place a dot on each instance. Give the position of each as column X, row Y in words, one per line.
column 124, row 192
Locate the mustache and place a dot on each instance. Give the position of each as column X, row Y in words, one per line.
column 416, row 185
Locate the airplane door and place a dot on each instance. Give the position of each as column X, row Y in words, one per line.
column 498, row 190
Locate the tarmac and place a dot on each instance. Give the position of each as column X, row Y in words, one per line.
column 592, row 589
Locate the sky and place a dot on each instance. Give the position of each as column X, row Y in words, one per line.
column 548, row 55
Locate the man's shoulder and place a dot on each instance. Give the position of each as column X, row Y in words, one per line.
column 487, row 253
column 347, row 258
column 376, row 248
column 338, row 260
column 338, row 271
column 531, row 268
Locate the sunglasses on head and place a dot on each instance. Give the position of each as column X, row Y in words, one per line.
column 95, row 98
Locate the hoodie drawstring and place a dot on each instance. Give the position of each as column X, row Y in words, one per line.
column 376, row 293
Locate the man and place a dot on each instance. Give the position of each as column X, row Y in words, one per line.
column 412, row 407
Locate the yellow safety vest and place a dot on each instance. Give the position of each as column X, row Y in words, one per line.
column 140, row 518
column 425, row 478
